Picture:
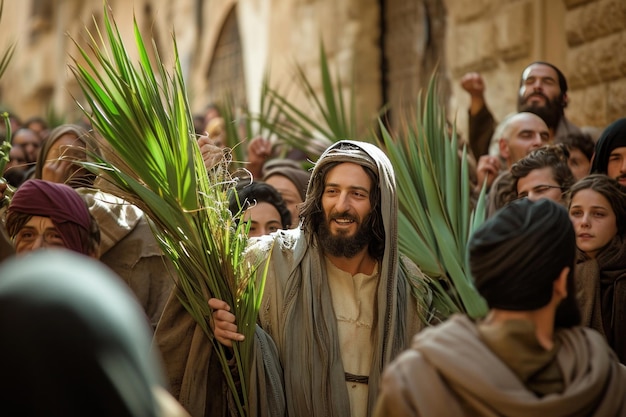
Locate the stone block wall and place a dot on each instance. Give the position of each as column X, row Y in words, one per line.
column 498, row 38
column 596, row 63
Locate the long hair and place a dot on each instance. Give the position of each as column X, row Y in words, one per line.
column 610, row 189
column 312, row 212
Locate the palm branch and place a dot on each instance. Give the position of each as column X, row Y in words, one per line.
column 436, row 219
column 5, row 145
column 144, row 117
column 329, row 117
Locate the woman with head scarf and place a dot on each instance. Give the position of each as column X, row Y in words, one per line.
column 291, row 181
column 66, row 145
column 597, row 208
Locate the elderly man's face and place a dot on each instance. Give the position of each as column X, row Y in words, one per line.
column 525, row 133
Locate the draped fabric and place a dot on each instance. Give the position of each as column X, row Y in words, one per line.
column 297, row 313
column 61, row 203
column 450, row 372
column 297, row 308
column 295, row 174
column 74, row 341
column 601, row 293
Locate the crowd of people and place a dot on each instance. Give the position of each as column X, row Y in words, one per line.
column 340, row 329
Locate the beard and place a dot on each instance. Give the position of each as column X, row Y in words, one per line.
column 551, row 112
column 341, row 245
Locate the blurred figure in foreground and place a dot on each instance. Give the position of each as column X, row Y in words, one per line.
column 75, row 343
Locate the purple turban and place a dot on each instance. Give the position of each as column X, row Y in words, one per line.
column 61, row 203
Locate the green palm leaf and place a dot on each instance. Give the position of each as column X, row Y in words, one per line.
column 144, row 117
column 435, row 219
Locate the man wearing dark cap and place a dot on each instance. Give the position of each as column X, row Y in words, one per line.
column 47, row 214
column 528, row 356
column 610, row 154
column 338, row 300
column 542, row 90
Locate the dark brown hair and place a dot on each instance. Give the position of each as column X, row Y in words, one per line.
column 610, row 189
column 312, row 213
column 551, row 156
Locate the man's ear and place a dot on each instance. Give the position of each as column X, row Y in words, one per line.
column 564, row 100
column 560, row 284
column 503, row 145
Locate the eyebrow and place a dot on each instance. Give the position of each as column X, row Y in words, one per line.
column 593, row 207
column 350, row 187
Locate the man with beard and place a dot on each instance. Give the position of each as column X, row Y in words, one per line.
column 528, row 356
column 542, row 90
column 338, row 300
column 610, row 154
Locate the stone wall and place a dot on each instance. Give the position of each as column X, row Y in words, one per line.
column 498, row 38
column 596, row 63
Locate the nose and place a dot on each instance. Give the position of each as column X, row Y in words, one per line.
column 584, row 220
column 537, row 84
column 623, row 167
column 38, row 243
column 342, row 204
column 537, row 141
column 532, row 196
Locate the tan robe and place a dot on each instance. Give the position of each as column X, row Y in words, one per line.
column 450, row 372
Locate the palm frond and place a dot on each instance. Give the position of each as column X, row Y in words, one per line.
column 144, row 117
column 327, row 118
column 435, row 218
column 5, row 144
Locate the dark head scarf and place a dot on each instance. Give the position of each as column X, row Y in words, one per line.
column 516, row 255
column 91, row 148
column 61, row 203
column 292, row 171
column 614, row 136
column 74, row 340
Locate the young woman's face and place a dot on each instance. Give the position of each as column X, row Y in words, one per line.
column 594, row 221
column 264, row 219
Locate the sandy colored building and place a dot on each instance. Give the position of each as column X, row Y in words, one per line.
column 391, row 47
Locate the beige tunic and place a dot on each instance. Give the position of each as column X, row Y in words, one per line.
column 353, row 301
